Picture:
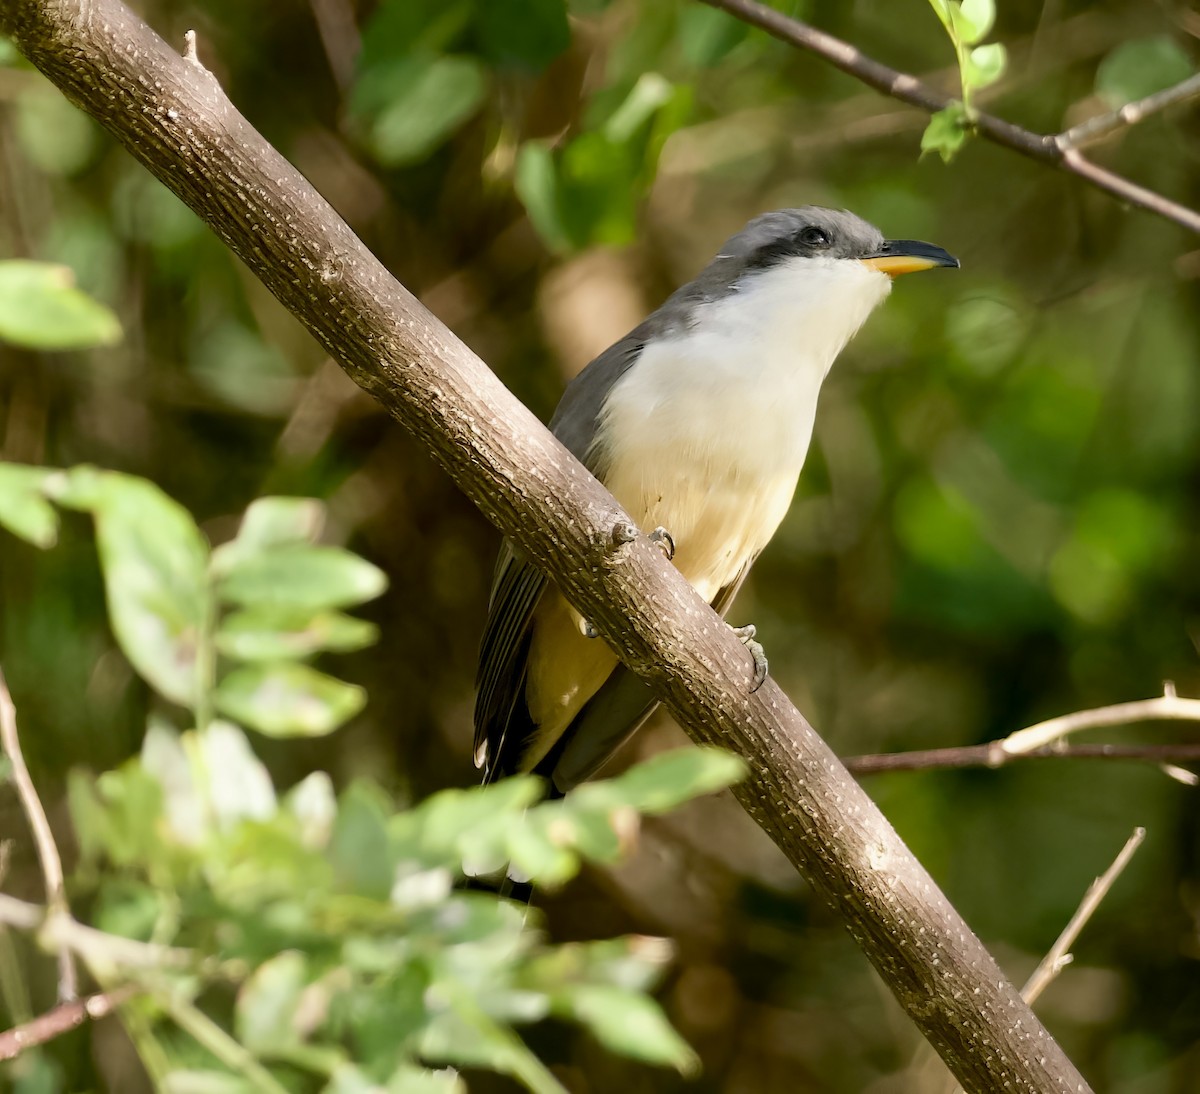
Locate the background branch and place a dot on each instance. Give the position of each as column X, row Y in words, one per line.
column 43, row 838
column 62, row 1019
column 908, row 89
column 1059, row 956
column 173, row 116
column 1043, row 740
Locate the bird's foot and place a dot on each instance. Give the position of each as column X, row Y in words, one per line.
column 664, row 541
column 746, row 634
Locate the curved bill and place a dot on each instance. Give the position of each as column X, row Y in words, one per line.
column 901, row 256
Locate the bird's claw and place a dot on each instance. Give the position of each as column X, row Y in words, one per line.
column 664, row 541
column 746, row 634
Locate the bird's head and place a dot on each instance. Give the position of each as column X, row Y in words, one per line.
column 812, row 272
column 816, row 239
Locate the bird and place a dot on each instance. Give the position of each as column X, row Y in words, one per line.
column 698, row 422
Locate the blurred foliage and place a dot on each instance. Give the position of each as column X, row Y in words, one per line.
column 356, row 963
column 999, row 519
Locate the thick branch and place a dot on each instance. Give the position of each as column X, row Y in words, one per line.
column 908, row 89
column 173, row 117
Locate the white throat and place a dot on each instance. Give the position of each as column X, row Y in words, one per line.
column 706, row 433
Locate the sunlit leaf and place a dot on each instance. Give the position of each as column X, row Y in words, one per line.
column 288, row 700
column 24, row 511
column 197, row 1081
column 359, row 849
column 41, row 309
column 985, row 65
column 312, row 802
column 536, row 183
column 630, row 1024
column 265, row 1016
column 301, row 578
column 410, row 1079
column 155, row 561
column 239, row 785
column 270, row 634
column 273, row 522
column 668, row 779
column 973, row 19
column 945, row 132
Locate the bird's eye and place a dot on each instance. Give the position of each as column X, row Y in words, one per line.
column 814, row 237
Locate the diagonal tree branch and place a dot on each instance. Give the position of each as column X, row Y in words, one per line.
column 172, row 116
column 1052, row 149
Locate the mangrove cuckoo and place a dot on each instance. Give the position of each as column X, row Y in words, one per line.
column 698, row 422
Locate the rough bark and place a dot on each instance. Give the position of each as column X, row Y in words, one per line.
column 173, row 117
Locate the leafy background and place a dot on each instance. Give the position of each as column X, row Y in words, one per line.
column 998, row 522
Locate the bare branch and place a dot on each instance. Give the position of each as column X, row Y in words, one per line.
column 107, row 953
column 1104, row 126
column 62, row 1019
column 43, row 838
column 175, row 120
column 1059, row 956
column 908, row 89
column 1166, row 707
column 1043, row 741
column 993, row 754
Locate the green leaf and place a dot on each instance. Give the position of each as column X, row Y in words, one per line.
column 706, row 35
column 410, row 1079
column 41, row 309
column 360, row 849
column 271, row 634
column 628, row 1023
column 410, row 105
column 164, row 757
column 312, row 802
column 1139, row 68
column 668, row 779
column 973, row 19
column 155, row 562
column 198, row 1081
column 57, row 137
column 279, row 522
column 238, row 784
column 946, row 132
column 23, row 509
column 536, row 184
column 528, row 33
column 288, row 700
column 301, row 579
column 984, row 65
column 265, row 1015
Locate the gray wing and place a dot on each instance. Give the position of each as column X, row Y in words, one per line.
column 616, row 712
column 502, row 722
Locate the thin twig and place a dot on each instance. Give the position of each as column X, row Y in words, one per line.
column 908, row 89
column 1104, row 126
column 43, row 838
column 59, row 932
column 1059, row 956
column 1043, row 741
column 992, row 754
column 62, row 1019
column 1163, row 708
